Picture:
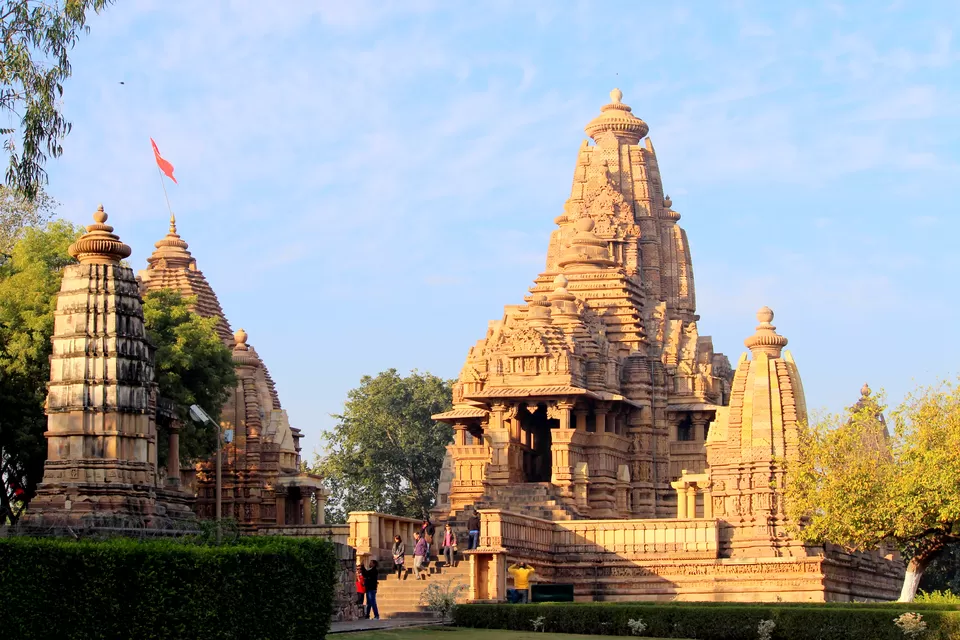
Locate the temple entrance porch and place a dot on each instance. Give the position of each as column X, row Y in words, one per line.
column 536, row 440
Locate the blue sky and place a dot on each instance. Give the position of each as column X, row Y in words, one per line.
column 366, row 184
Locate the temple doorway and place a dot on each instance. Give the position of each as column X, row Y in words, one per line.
column 536, row 437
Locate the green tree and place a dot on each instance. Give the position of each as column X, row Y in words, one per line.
column 193, row 367
column 29, row 281
column 854, row 487
column 37, row 37
column 17, row 214
column 385, row 452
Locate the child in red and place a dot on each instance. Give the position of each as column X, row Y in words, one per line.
column 361, row 588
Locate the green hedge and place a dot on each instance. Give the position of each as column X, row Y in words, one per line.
column 690, row 620
column 259, row 587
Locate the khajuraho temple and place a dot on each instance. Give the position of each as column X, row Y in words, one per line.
column 262, row 483
column 104, row 410
column 605, row 441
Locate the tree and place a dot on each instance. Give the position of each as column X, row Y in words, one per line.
column 855, row 487
column 385, row 452
column 37, row 36
column 17, row 214
column 193, row 367
column 29, row 282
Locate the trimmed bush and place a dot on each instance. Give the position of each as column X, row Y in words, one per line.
column 259, row 587
column 705, row 622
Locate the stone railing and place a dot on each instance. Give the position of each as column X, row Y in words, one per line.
column 372, row 533
column 335, row 532
column 527, row 536
column 501, row 529
column 638, row 538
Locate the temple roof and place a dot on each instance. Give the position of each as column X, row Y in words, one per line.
column 171, row 266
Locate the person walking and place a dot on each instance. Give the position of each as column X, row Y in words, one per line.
column 426, row 531
column 473, row 530
column 370, row 578
column 420, row 549
column 449, row 545
column 521, row 573
column 398, row 556
column 361, row 588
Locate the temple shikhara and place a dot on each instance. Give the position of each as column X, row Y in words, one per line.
column 606, row 442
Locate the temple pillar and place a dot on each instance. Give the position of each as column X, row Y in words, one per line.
column 581, row 416
column 173, row 455
column 305, row 507
column 691, row 501
column 707, row 501
column 681, row 488
column 700, row 422
column 600, row 412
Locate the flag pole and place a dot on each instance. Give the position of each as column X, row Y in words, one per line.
column 164, row 187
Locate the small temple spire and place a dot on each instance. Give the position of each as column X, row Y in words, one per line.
column 766, row 339
column 99, row 245
column 865, row 390
column 173, row 223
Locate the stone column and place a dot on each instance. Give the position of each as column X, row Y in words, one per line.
column 600, row 412
column 691, row 501
column 681, row 488
column 281, row 509
column 173, row 456
column 699, row 426
column 581, row 415
column 305, row 506
column 707, row 500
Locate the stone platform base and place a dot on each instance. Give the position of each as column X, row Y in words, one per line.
column 117, row 506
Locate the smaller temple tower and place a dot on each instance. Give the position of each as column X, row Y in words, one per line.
column 748, row 444
column 101, row 463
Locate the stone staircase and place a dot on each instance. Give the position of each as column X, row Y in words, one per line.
column 537, row 499
column 401, row 598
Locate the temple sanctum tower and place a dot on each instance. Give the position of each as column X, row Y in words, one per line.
column 600, row 388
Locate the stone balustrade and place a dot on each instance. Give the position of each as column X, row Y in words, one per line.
column 372, row 533
column 339, row 533
column 638, row 538
column 521, row 534
column 531, row 537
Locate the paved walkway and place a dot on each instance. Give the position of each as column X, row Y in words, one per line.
column 376, row 625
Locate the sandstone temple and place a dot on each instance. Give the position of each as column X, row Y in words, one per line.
column 606, row 442
column 105, row 417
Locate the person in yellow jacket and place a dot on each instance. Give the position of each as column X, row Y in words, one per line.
column 521, row 573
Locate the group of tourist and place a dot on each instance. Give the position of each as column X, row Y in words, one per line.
column 368, row 576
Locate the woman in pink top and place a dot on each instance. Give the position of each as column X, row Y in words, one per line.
column 449, row 544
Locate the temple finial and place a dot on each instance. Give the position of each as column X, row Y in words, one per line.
column 766, row 339
column 173, row 223
column 616, row 96
column 865, row 390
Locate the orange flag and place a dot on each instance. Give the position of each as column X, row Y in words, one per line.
column 164, row 165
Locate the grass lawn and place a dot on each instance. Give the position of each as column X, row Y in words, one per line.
column 457, row 633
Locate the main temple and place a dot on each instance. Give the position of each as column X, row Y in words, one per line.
column 602, row 437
